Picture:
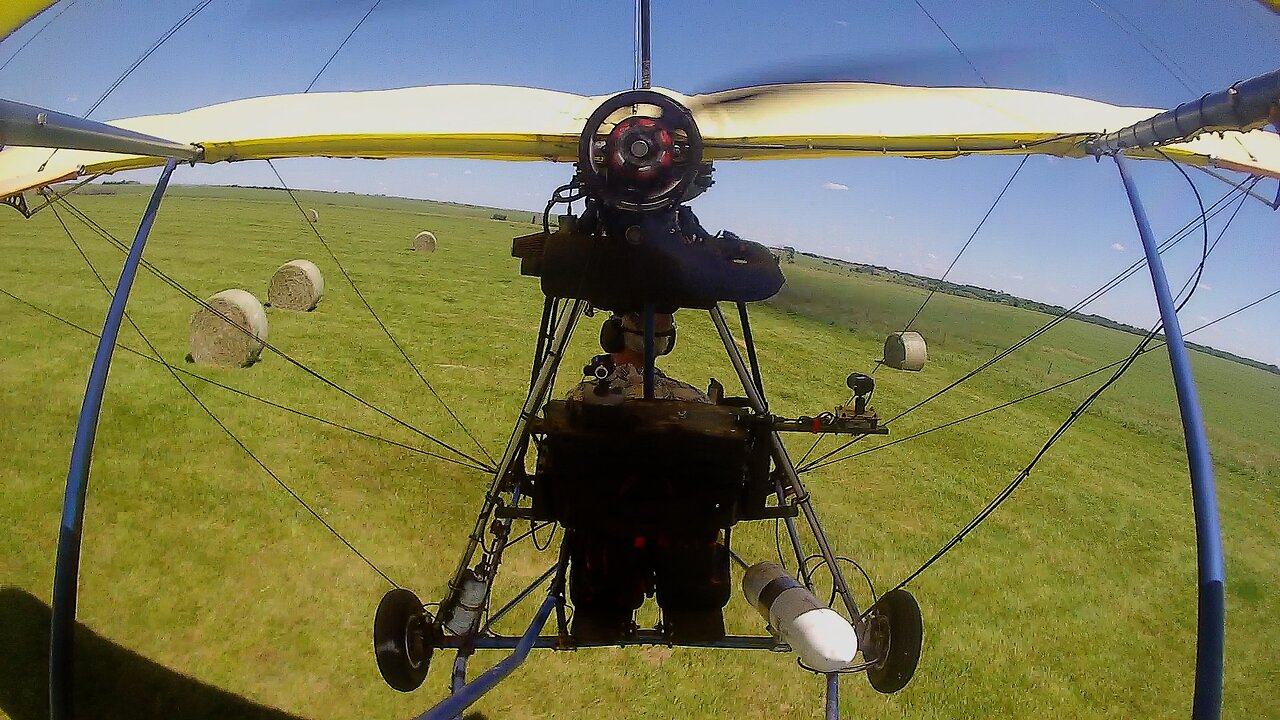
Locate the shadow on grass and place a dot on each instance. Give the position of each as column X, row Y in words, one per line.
column 111, row 681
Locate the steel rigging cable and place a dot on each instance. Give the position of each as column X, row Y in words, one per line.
column 374, row 314
column 1182, row 234
column 471, row 462
column 1075, row 415
column 213, row 416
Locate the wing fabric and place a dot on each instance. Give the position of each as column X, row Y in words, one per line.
column 463, row 121
column 809, row 120
column 850, row 119
column 16, row 13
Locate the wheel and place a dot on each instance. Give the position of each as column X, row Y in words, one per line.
column 402, row 639
column 898, row 630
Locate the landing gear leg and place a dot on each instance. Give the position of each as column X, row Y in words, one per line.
column 505, row 488
column 890, row 636
column 783, row 463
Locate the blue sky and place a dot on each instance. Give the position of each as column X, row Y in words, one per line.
column 1063, row 229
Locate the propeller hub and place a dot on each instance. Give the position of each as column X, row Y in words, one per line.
column 639, row 149
column 647, row 159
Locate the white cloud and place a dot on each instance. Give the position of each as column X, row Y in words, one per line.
column 834, row 186
column 1206, row 286
column 932, row 256
column 1016, row 277
column 890, row 217
column 72, row 98
column 842, row 23
column 1117, row 247
column 466, row 172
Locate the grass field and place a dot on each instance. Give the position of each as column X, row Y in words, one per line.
column 1077, row 599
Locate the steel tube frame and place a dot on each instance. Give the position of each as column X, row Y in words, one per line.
column 645, row 77
column 833, row 696
column 1244, row 104
column 650, row 351
column 757, row 403
column 465, row 695
column 1210, row 640
column 32, row 126
column 729, row 642
column 537, row 393
column 783, row 461
column 66, row 575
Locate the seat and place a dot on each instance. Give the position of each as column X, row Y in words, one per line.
column 645, row 487
column 642, row 466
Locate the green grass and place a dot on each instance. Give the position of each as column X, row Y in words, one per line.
column 1075, row 600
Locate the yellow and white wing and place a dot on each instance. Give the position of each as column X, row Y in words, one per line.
column 462, row 121
column 866, row 119
column 514, row 123
column 16, row 13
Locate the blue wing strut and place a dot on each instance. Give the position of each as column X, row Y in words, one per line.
column 1210, row 640
column 67, row 571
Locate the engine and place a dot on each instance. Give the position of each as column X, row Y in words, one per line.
column 636, row 242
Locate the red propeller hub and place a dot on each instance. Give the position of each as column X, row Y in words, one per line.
column 647, row 160
column 640, row 149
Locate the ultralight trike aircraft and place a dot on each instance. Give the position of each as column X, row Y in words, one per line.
column 661, row 523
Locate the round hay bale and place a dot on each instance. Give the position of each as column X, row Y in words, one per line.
column 237, row 343
column 313, row 216
column 425, row 242
column 297, row 285
column 905, row 351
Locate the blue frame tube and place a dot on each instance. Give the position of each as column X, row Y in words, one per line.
column 1210, row 636
column 66, row 574
column 463, row 697
column 459, row 678
column 833, row 696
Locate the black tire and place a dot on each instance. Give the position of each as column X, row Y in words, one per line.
column 402, row 640
column 898, row 613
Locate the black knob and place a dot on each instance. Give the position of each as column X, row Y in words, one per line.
column 860, row 384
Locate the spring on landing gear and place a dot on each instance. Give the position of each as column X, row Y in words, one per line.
column 404, row 637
